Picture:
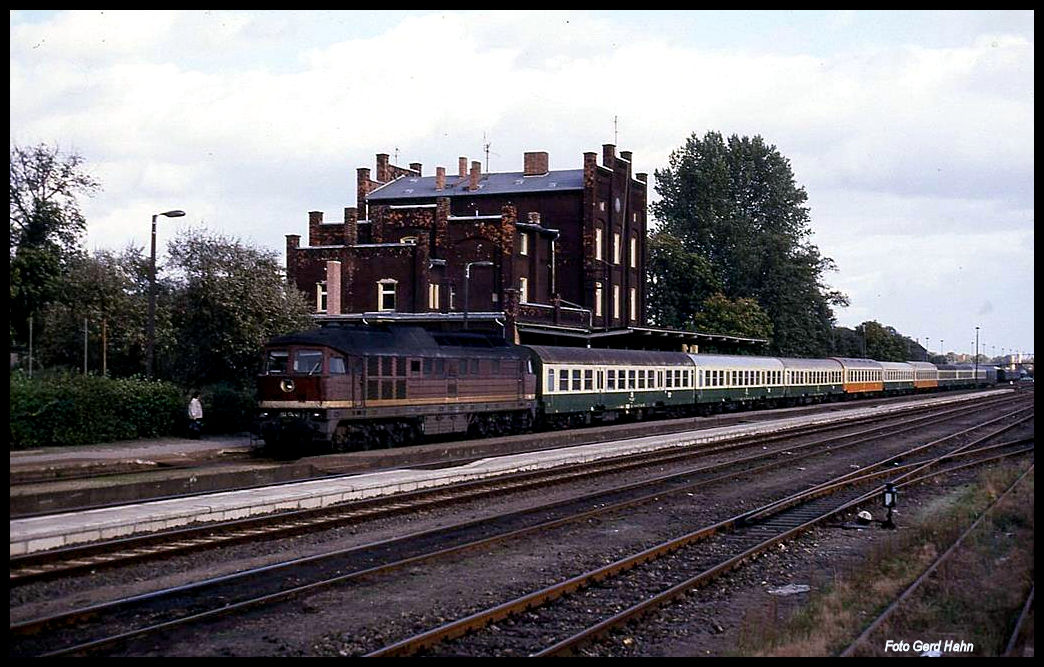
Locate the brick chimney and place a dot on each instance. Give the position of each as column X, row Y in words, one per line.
column 463, row 164
column 351, row 225
column 416, row 166
column 440, row 178
column 609, row 156
column 534, row 217
column 476, row 174
column 333, row 288
column 315, row 219
column 535, row 164
column 383, row 173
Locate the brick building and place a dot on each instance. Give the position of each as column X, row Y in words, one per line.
column 548, row 256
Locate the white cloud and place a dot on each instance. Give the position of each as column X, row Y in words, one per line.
column 250, row 119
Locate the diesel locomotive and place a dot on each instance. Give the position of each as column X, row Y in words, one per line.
column 351, row 387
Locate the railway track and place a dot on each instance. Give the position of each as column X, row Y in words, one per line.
column 890, row 609
column 164, row 610
column 113, row 553
column 652, row 578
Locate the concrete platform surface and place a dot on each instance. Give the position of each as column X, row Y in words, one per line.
column 58, row 530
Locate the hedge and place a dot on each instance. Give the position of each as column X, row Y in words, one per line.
column 85, row 409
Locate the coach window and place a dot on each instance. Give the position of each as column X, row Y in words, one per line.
column 576, row 379
column 631, row 380
column 563, row 380
column 550, row 379
column 641, row 378
column 670, row 379
column 611, row 379
column 588, row 380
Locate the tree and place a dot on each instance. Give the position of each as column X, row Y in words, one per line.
column 733, row 317
column 109, row 290
column 46, row 226
column 677, row 282
column 227, row 300
column 736, row 205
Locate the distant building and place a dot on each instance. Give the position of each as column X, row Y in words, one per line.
column 549, row 255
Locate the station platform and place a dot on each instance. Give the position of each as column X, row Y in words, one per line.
column 50, row 531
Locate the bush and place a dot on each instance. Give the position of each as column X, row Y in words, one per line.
column 226, row 408
column 81, row 410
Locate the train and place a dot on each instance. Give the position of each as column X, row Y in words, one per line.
column 350, row 387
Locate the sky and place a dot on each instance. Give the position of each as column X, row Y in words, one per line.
column 910, row 131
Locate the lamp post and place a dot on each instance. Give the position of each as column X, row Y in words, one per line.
column 467, row 280
column 976, row 356
column 152, row 292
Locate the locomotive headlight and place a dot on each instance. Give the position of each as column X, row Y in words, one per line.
column 318, row 415
column 262, row 415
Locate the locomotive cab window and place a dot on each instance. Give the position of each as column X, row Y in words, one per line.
column 337, row 366
column 308, row 361
column 276, row 362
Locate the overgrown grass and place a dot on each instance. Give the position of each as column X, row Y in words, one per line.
column 973, row 598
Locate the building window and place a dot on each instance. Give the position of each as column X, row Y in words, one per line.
column 386, row 294
column 616, row 301
column 598, row 243
column 616, row 247
column 598, row 300
column 411, row 240
column 634, row 304
column 433, row 296
column 320, row 297
column 523, row 290
column 523, row 243
column 634, row 252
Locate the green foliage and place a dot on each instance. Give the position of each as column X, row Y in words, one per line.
column 735, row 205
column 46, row 226
column 678, row 281
column 70, row 409
column 872, row 340
column 227, row 408
column 109, row 291
column 733, row 317
column 228, row 299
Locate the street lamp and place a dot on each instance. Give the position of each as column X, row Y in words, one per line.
column 467, row 280
column 152, row 292
column 976, row 356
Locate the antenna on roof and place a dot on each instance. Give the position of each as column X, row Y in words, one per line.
column 616, row 138
column 396, row 155
column 485, row 146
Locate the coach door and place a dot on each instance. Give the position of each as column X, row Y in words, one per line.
column 451, row 378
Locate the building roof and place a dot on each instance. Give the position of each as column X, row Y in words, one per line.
column 410, row 187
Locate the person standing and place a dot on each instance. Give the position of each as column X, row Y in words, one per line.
column 195, row 413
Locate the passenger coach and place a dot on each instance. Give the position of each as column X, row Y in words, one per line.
column 581, row 385
column 861, row 376
column 723, row 379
